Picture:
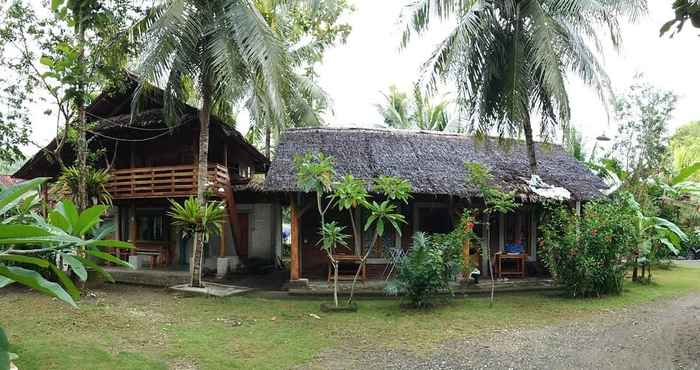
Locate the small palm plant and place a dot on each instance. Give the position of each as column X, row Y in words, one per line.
column 66, row 185
column 201, row 222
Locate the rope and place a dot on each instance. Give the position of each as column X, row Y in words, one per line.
column 128, row 140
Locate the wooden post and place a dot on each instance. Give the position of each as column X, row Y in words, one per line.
column 294, row 249
column 222, row 245
column 501, row 231
column 132, row 227
column 533, row 233
column 486, row 244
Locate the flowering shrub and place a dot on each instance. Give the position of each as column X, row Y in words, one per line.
column 586, row 253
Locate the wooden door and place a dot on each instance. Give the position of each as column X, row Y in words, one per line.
column 242, row 249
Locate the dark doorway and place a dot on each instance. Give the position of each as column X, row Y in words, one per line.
column 242, row 249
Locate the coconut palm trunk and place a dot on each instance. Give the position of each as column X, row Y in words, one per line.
column 82, row 147
column 268, row 140
column 530, row 143
column 202, row 166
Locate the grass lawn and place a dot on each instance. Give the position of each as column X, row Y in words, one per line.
column 129, row 327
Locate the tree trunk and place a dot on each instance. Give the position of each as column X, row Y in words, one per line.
column 529, row 141
column 335, row 283
column 202, row 160
column 268, row 140
column 196, row 263
column 82, row 149
column 487, row 250
column 202, row 179
column 82, row 154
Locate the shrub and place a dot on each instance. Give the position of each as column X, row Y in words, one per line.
column 421, row 273
column 586, row 254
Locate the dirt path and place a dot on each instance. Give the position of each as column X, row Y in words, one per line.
column 660, row 335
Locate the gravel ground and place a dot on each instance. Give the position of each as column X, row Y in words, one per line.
column 659, row 335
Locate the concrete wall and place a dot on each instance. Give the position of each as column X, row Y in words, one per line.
column 263, row 219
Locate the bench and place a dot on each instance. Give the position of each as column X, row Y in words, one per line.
column 346, row 259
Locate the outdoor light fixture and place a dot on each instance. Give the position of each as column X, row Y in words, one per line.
column 602, row 138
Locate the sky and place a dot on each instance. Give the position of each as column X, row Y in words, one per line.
column 356, row 73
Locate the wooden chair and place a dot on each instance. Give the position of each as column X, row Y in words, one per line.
column 347, row 259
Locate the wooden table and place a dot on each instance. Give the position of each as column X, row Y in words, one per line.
column 347, row 259
column 519, row 260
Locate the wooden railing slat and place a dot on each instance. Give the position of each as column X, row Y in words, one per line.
column 164, row 181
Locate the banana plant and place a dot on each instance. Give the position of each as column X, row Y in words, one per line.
column 653, row 232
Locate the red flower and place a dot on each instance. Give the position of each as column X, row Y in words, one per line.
column 594, row 232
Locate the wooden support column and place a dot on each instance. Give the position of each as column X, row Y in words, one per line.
column 533, row 233
column 294, row 249
column 501, row 231
column 222, row 245
column 132, row 227
column 486, row 245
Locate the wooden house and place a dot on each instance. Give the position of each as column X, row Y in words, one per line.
column 434, row 165
column 150, row 162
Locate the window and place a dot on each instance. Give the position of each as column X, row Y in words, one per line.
column 434, row 219
column 241, row 171
column 150, row 224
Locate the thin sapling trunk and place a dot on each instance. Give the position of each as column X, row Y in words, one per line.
column 363, row 260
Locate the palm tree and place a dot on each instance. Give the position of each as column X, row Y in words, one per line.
column 212, row 51
column 306, row 100
column 396, row 109
column 509, row 58
column 416, row 112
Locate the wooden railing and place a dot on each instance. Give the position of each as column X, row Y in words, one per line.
column 165, row 181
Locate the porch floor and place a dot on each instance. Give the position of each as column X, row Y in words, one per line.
column 178, row 275
column 376, row 287
column 151, row 277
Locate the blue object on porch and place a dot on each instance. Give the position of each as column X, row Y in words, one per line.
column 514, row 248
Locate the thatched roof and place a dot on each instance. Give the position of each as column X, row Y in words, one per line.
column 432, row 162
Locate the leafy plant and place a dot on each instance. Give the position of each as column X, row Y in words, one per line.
column 199, row 221
column 316, row 172
column 350, row 194
column 495, row 200
column 66, row 186
column 381, row 214
column 68, row 240
column 421, row 273
column 684, row 10
column 655, row 233
column 586, row 254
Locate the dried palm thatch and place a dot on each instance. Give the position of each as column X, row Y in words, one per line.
column 432, row 162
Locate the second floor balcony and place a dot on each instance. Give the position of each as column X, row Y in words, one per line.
column 165, row 181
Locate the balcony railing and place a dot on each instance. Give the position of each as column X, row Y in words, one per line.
column 164, row 181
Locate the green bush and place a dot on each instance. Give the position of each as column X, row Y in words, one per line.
column 421, row 273
column 587, row 254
